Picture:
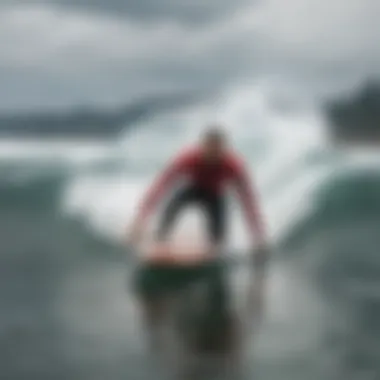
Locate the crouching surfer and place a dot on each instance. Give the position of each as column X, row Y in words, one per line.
column 205, row 171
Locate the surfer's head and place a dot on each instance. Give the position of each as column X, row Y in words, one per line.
column 214, row 142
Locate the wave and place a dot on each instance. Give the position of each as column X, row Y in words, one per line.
column 350, row 196
column 88, row 123
column 63, row 266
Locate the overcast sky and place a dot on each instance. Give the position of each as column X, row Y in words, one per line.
column 57, row 53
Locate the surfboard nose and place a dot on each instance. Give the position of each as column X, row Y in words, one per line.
column 178, row 254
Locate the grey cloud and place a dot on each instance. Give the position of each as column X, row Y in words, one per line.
column 70, row 57
column 62, row 55
column 186, row 11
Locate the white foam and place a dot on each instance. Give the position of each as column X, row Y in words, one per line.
column 109, row 203
column 47, row 150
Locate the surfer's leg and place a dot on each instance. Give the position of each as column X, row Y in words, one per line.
column 219, row 306
column 215, row 207
column 220, row 314
column 172, row 210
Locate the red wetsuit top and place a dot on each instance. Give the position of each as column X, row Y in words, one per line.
column 212, row 178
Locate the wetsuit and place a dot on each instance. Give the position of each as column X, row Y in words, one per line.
column 205, row 184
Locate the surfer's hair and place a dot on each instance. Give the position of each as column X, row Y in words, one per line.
column 214, row 133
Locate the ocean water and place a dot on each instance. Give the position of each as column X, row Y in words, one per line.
column 66, row 308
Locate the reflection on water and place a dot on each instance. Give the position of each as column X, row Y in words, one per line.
column 66, row 312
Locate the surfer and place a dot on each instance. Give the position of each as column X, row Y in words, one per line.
column 203, row 171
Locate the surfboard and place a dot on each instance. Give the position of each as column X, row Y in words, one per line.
column 175, row 254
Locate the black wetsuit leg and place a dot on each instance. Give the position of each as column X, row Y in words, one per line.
column 153, row 278
column 172, row 210
column 212, row 204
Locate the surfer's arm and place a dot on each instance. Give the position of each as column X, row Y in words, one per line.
column 161, row 184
